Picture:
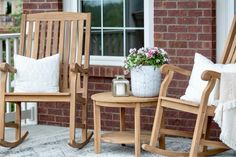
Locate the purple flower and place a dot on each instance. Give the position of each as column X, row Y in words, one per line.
column 131, row 51
column 126, row 72
column 150, row 53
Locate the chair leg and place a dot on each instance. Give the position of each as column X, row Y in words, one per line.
column 206, row 132
column 208, row 129
column 18, row 120
column 162, row 143
column 197, row 134
column 85, row 135
column 156, row 125
column 72, row 120
column 2, row 121
column 2, row 105
column 84, row 122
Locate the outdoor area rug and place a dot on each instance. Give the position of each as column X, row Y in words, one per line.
column 52, row 141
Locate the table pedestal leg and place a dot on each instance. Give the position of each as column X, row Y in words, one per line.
column 137, row 130
column 97, row 128
column 122, row 119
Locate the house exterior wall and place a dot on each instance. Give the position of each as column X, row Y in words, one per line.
column 181, row 27
column 2, row 9
column 35, row 6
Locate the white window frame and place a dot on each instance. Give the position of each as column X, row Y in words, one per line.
column 72, row 6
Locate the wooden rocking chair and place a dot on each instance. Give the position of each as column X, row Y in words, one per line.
column 200, row 141
column 42, row 35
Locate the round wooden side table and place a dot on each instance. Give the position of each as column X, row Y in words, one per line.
column 120, row 137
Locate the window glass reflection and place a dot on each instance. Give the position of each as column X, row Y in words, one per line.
column 134, row 39
column 113, row 43
column 113, row 13
column 134, row 13
column 93, row 6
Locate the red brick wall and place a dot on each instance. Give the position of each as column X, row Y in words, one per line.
column 181, row 27
column 34, row 6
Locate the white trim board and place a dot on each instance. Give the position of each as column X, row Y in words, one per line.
column 224, row 16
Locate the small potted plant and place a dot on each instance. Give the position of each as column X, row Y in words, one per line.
column 144, row 64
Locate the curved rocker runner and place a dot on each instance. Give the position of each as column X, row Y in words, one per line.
column 14, row 144
column 82, row 144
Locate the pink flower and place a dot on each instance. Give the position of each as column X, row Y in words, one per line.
column 150, row 53
column 126, row 72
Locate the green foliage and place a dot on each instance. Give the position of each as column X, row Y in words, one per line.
column 17, row 17
column 146, row 56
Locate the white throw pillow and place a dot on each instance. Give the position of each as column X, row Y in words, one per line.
column 33, row 75
column 197, row 85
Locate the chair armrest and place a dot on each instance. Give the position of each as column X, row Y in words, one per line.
column 211, row 77
column 76, row 68
column 4, row 67
column 169, row 70
column 208, row 74
column 168, row 67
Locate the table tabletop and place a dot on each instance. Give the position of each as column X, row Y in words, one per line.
column 107, row 97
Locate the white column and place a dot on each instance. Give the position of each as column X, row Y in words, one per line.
column 224, row 17
column 148, row 23
column 70, row 5
column 8, row 60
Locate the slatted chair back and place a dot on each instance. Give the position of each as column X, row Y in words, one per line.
column 45, row 34
column 229, row 53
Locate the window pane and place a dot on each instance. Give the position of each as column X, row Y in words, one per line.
column 134, row 13
column 93, row 6
column 96, row 42
column 113, row 13
column 134, row 39
column 113, row 43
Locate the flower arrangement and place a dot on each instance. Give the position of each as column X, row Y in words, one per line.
column 155, row 57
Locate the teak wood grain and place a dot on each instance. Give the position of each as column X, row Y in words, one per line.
column 204, row 112
column 43, row 35
column 122, row 137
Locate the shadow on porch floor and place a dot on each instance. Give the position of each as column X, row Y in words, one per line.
column 51, row 141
